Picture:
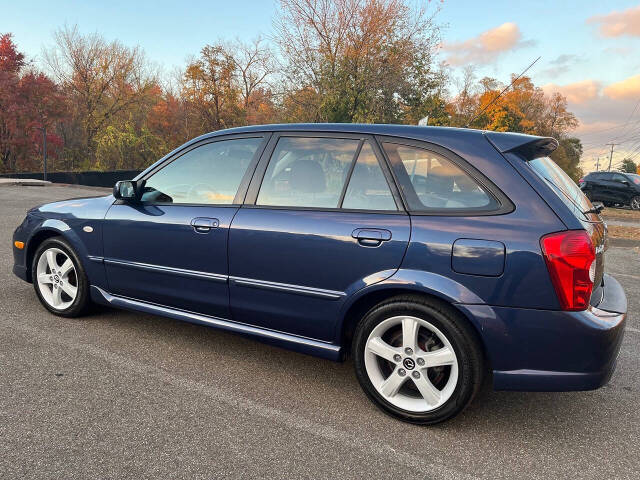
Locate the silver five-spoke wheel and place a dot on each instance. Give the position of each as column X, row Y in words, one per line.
column 411, row 363
column 57, row 278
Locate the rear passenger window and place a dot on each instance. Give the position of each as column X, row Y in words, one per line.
column 368, row 189
column 307, row 172
column 432, row 182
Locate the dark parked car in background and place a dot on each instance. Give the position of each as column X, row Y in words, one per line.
column 612, row 188
column 432, row 256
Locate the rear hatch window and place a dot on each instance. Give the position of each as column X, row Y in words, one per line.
column 566, row 188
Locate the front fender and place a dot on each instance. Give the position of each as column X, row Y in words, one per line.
column 72, row 234
column 61, row 228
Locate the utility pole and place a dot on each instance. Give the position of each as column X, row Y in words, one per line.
column 44, row 151
column 598, row 164
column 611, row 154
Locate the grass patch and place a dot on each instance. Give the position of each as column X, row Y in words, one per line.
column 621, row 213
column 630, row 233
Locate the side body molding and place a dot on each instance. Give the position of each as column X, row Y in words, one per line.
column 293, row 342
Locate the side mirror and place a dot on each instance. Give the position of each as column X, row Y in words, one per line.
column 126, row 190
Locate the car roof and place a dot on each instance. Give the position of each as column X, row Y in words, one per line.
column 447, row 137
column 503, row 141
column 408, row 131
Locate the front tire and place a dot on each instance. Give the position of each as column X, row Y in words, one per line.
column 417, row 359
column 635, row 203
column 59, row 279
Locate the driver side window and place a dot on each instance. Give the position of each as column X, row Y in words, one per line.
column 209, row 174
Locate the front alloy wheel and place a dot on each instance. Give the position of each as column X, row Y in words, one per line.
column 59, row 279
column 417, row 359
column 635, row 203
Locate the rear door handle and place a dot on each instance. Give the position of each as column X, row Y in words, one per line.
column 204, row 224
column 371, row 237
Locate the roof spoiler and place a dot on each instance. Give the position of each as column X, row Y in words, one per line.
column 528, row 146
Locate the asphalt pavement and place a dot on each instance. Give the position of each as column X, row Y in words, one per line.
column 126, row 395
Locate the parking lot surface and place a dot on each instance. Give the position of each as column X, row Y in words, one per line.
column 126, row 395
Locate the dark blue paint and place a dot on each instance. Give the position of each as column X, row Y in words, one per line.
column 478, row 257
column 312, row 249
column 290, row 276
column 164, row 236
column 551, row 350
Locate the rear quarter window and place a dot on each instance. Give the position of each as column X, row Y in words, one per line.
column 433, row 183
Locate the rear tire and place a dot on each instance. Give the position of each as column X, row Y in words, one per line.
column 59, row 278
column 425, row 382
column 635, row 203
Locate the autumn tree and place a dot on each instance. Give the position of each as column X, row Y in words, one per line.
column 364, row 60
column 29, row 102
column 101, row 80
column 228, row 85
column 522, row 107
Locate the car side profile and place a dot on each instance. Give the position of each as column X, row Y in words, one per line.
column 432, row 256
column 612, row 188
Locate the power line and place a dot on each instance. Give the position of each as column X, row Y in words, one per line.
column 504, row 90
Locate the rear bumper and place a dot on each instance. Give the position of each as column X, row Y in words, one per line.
column 540, row 350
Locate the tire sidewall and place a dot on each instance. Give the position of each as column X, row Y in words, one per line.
column 469, row 360
column 80, row 302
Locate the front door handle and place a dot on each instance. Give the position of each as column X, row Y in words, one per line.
column 371, row 237
column 204, row 224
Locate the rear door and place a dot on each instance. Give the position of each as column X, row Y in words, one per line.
column 621, row 188
column 322, row 220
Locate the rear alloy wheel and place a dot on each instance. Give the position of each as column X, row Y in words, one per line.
column 635, row 203
column 59, row 279
column 417, row 360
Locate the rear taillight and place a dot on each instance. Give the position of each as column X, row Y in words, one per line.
column 570, row 258
column 581, row 180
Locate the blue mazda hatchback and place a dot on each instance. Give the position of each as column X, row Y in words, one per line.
column 432, row 256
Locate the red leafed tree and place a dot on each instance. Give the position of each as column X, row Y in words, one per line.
column 29, row 101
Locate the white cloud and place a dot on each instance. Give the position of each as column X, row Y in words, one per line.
column 617, row 24
column 487, row 46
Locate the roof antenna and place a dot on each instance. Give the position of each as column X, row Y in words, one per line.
column 500, row 94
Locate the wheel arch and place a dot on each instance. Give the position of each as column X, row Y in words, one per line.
column 372, row 296
column 52, row 228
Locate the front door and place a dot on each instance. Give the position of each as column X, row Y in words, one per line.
column 322, row 221
column 171, row 248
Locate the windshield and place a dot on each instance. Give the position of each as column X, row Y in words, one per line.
column 568, row 191
column 634, row 178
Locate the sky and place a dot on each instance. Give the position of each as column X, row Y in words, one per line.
column 590, row 49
